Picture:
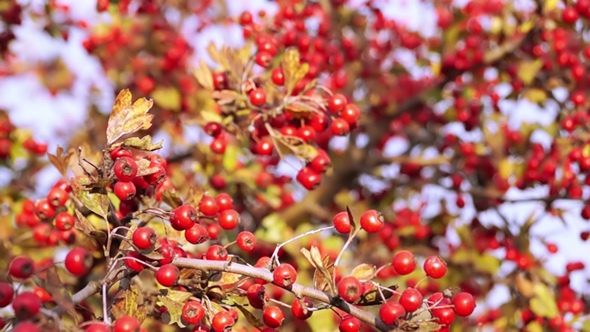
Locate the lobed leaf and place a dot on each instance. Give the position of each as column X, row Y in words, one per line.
column 127, row 118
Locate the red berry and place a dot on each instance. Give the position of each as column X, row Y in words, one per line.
column 125, row 169
column 133, row 261
column 183, row 217
column 349, row 324
column 336, row 103
column 300, row 308
column 208, row 206
column 229, row 219
column 219, row 81
column 125, row 191
column 257, row 97
column 308, row 178
column 263, row 59
column 273, row 316
column 277, row 76
column 6, row 294
column 224, row 202
column 126, row 324
column 193, row 312
column 158, row 176
column 403, row 262
column 257, row 296
column 264, row 146
column 21, row 267
column 246, row 241
column 218, row 145
column 350, row 289
column 444, row 316
column 120, row 152
column 222, row 322
column 372, row 221
column 464, row 304
column 216, row 252
column 284, row 275
column 321, row 162
column 411, row 299
column 97, row 327
column 245, row 18
column 435, row 267
column 26, row 326
column 569, row 15
column 43, row 209
column 306, row 133
column 78, row 261
column 57, row 197
column 390, row 312
column 197, row 234
column 145, row 238
column 342, row 222
column 340, row 127
column 64, row 221
column 26, row 305
column 167, row 275
column 351, row 114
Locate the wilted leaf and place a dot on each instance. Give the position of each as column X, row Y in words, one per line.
column 60, row 160
column 527, row 70
column 171, row 198
column 364, row 272
column 83, row 225
column 174, row 312
column 97, row 203
column 143, row 144
column 225, row 97
column 143, row 167
column 176, row 295
column 55, row 287
column 322, row 278
column 293, row 70
column 253, row 320
column 204, row 76
column 374, row 298
column 543, row 304
column 127, row 118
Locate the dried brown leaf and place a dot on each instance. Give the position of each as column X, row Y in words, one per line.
column 127, row 118
column 60, row 160
column 250, row 317
column 55, row 287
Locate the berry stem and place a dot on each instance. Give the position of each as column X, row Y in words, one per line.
column 348, row 242
column 275, row 254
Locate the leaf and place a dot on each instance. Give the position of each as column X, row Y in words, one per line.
column 83, row 225
column 253, row 320
column 524, row 286
column 305, row 151
column 55, row 287
column 176, row 295
column 171, row 198
column 225, row 97
column 293, row 70
column 322, row 280
column 127, row 118
column 174, row 312
column 527, row 70
column 364, row 272
column 60, row 160
column 97, row 203
column 374, row 298
column 535, row 95
column 143, row 167
column 143, row 144
column 167, row 98
column 534, row 326
column 543, row 304
column 230, row 158
column 204, row 76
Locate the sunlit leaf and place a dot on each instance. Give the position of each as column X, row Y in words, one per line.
column 174, row 313
column 230, row 158
column 143, row 144
column 97, row 203
column 543, row 304
column 127, row 118
column 364, row 271
column 167, row 98
column 527, row 70
column 204, row 76
column 293, row 70
column 60, row 160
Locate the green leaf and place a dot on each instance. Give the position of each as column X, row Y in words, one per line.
column 174, row 313
column 487, row 263
column 543, row 304
column 230, row 158
column 143, row 144
column 167, row 97
column 97, row 203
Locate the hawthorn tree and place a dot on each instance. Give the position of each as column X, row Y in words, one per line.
column 215, row 235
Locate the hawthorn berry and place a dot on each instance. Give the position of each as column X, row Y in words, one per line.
column 124, row 190
column 277, row 76
column 403, row 262
column 390, row 312
column 300, row 308
column 126, row 324
column 264, row 146
column 26, row 326
column 308, row 178
column 257, row 296
column 435, row 267
column 192, row 312
column 183, row 217
column 273, row 316
column 342, row 222
column 156, row 177
column 78, row 261
column 224, row 202
column 145, row 238
column 246, row 241
column 26, row 305
column 336, row 103
column 125, row 169
column 21, row 267
column 43, row 209
column 351, row 114
column 57, row 197
column 229, row 219
column 339, row 127
column 64, row 221
column 464, row 304
column 197, row 234
column 350, row 289
column 120, row 152
column 97, row 327
column 411, row 299
column 257, row 97
column 216, row 252
column 284, row 275
column 372, row 221
column 218, row 145
column 349, row 324
column 133, row 262
column 208, row 206
column 6, row 294
column 444, row 316
column 321, row 162
column 167, row 275
column 213, row 129
column 222, row 321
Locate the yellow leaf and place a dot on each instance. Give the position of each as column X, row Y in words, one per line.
column 364, row 272
column 204, row 76
column 127, row 118
column 167, row 97
column 527, row 70
column 174, row 313
column 505, row 168
column 550, row 5
column 535, row 95
column 230, row 158
column 143, row 144
column 293, row 70
column 543, row 304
